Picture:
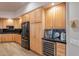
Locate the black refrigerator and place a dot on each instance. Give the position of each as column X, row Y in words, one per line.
column 25, row 35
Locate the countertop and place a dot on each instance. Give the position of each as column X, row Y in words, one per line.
column 7, row 31
column 64, row 42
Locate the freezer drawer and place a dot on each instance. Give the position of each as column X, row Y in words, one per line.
column 25, row 44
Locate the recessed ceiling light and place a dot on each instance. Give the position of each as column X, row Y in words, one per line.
column 52, row 3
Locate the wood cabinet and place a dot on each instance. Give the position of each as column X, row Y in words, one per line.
column 60, row 16
column 36, row 30
column 36, row 15
column 17, row 38
column 49, row 18
column 56, row 16
column 25, row 18
column 60, row 49
column 32, row 16
column 6, row 37
column 36, row 38
column 10, row 38
column 32, row 37
column 10, row 22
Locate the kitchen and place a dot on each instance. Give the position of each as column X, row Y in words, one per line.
column 40, row 30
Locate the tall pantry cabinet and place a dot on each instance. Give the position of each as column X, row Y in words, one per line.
column 36, row 30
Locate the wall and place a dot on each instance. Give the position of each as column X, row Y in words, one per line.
column 73, row 35
column 6, row 14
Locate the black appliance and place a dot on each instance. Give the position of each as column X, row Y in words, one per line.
column 25, row 41
column 48, row 48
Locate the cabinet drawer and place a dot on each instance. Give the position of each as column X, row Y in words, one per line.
column 60, row 49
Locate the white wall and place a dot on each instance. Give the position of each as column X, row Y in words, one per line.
column 6, row 14
column 73, row 36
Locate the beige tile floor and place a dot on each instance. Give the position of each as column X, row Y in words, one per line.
column 14, row 49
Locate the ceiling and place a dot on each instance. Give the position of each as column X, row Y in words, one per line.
column 11, row 6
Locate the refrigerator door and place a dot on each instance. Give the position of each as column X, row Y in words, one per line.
column 25, row 41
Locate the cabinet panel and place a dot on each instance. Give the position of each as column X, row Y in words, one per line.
column 49, row 18
column 32, row 16
column 0, row 37
column 18, row 39
column 60, row 49
column 60, row 16
column 55, row 17
column 32, row 37
column 1, row 25
column 38, row 15
column 25, row 18
column 38, row 39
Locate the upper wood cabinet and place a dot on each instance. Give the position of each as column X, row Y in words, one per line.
column 55, row 17
column 1, row 25
column 25, row 18
column 36, row 15
column 60, row 16
column 10, row 22
column 49, row 18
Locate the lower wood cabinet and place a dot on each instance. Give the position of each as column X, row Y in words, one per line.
column 60, row 49
column 10, row 38
column 17, row 38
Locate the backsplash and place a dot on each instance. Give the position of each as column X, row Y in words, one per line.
column 55, row 34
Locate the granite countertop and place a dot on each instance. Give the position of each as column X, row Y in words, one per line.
column 6, row 31
column 64, row 42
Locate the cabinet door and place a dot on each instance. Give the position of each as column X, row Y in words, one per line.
column 27, row 17
column 38, row 15
column 18, row 40
column 49, row 18
column 32, row 37
column 1, row 23
column 60, row 49
column 60, row 16
column 55, row 17
column 0, row 37
column 38, row 39
column 23, row 18
column 32, row 17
